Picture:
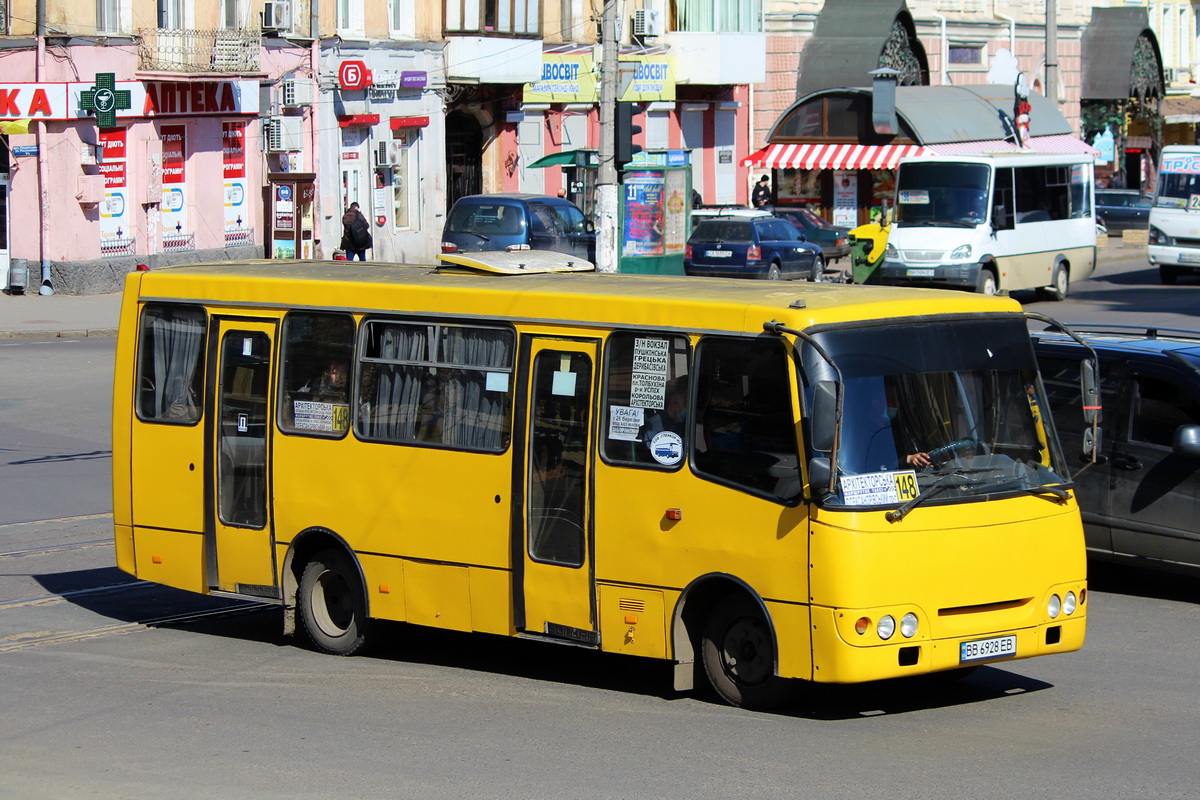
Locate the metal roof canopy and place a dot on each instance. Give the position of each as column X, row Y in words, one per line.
column 1108, row 44
column 943, row 114
column 848, row 39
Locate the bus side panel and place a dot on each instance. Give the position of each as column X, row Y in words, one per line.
column 632, row 621
column 385, row 586
column 124, row 365
column 491, row 601
column 438, row 595
column 722, row 531
column 1031, row 262
column 793, row 635
column 168, row 474
column 172, row 558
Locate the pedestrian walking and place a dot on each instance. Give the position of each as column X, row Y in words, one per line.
column 761, row 197
column 356, row 233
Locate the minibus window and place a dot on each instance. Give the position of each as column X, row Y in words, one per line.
column 745, row 433
column 647, row 400
column 171, row 364
column 441, row 385
column 318, row 359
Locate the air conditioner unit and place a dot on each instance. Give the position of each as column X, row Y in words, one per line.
column 277, row 15
column 647, row 23
column 285, row 134
column 388, row 153
column 297, row 92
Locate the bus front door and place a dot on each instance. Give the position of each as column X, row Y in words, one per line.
column 554, row 588
column 238, row 551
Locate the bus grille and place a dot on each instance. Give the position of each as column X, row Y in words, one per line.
column 626, row 604
column 923, row 255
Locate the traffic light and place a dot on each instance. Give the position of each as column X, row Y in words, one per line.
column 625, row 133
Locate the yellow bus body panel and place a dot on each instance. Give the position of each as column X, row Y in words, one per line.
column 172, row 558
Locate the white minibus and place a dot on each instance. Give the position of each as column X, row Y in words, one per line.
column 993, row 223
column 1174, row 243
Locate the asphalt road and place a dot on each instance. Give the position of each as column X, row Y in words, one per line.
column 118, row 689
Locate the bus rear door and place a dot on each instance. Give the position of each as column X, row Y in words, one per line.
column 554, row 594
column 238, row 526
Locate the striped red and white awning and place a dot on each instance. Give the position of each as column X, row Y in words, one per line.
column 1064, row 143
column 832, row 156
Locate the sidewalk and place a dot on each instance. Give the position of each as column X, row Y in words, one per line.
column 34, row 316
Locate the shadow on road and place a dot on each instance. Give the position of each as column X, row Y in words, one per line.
column 1137, row 581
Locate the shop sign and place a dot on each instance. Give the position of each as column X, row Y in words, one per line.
column 564, row 79
column 129, row 99
column 354, row 75
column 413, row 79
column 653, row 79
column 104, row 99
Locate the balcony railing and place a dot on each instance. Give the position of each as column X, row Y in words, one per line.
column 185, row 50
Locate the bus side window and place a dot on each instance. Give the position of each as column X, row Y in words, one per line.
column 317, row 365
column 745, row 428
column 646, row 393
column 171, row 364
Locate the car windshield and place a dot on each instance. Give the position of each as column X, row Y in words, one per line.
column 811, row 219
column 952, row 404
column 723, row 230
column 485, row 218
column 941, row 195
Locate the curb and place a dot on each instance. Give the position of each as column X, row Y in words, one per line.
column 91, row 333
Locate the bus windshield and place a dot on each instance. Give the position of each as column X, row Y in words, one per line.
column 1175, row 189
column 948, row 406
column 942, row 195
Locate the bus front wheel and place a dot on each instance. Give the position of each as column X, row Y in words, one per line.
column 738, row 650
column 332, row 607
column 986, row 284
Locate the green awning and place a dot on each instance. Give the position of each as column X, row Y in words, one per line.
column 567, row 158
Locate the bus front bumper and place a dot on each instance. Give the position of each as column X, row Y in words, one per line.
column 837, row 661
column 952, row 276
column 1187, row 259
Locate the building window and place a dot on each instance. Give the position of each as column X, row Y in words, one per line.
column 966, row 54
column 718, row 16
column 350, row 16
column 401, row 18
column 170, row 14
column 402, row 196
column 108, row 16
column 493, row 17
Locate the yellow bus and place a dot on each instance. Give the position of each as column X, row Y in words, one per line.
column 756, row 481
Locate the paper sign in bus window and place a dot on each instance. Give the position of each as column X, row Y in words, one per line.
column 880, row 488
column 648, row 383
column 625, row 422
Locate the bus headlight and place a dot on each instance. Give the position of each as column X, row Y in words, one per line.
column 890, row 252
column 1158, row 237
column 962, row 251
column 908, row 625
column 1069, row 604
column 1054, row 606
column 886, row 627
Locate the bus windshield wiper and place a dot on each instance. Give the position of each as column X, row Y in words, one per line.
column 935, row 488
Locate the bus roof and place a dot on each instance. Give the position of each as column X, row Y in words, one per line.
column 590, row 299
column 1003, row 158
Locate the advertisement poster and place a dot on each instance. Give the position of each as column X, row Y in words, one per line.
column 845, row 198
column 115, row 238
column 233, row 145
column 643, row 214
column 174, row 182
column 676, row 233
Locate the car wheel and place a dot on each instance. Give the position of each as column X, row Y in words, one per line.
column 986, row 284
column 1168, row 275
column 773, row 274
column 818, row 270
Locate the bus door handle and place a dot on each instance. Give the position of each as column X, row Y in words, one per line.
column 1126, row 462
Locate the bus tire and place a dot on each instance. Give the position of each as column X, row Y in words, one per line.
column 986, row 282
column 1167, row 274
column 332, row 605
column 773, row 274
column 738, row 650
column 1060, row 283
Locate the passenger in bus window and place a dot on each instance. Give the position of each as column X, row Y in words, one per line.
column 332, row 382
column 673, row 418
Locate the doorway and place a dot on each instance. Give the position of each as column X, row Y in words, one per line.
column 464, row 156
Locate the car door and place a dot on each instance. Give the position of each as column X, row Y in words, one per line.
column 580, row 240
column 795, row 257
column 545, row 230
column 1155, row 492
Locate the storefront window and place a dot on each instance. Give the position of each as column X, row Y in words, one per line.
column 401, row 196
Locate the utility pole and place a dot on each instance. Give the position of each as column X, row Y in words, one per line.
column 607, row 193
column 1052, row 50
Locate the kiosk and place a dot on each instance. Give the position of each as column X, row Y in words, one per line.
column 289, row 215
column 655, row 212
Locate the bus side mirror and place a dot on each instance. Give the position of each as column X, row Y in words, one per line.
column 1000, row 217
column 1090, row 393
column 1186, row 441
column 824, row 415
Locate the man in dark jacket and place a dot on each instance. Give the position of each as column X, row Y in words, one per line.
column 761, row 197
column 356, row 233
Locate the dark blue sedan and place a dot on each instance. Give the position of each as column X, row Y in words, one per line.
column 752, row 247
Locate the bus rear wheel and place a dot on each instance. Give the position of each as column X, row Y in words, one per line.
column 1060, row 283
column 332, row 607
column 738, row 651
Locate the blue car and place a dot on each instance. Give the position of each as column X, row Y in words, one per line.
column 489, row 222
column 752, row 247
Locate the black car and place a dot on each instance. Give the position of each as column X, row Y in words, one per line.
column 1141, row 502
column 1123, row 209
column 833, row 240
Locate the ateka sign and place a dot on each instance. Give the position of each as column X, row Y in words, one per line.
column 145, row 99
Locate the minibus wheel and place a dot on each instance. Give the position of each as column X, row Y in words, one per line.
column 332, row 607
column 986, row 283
column 1060, row 283
column 738, row 650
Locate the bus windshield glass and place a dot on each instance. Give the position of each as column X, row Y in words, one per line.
column 942, row 195
column 1177, row 190
column 952, row 409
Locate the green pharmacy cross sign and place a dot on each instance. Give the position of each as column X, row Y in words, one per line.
column 105, row 99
